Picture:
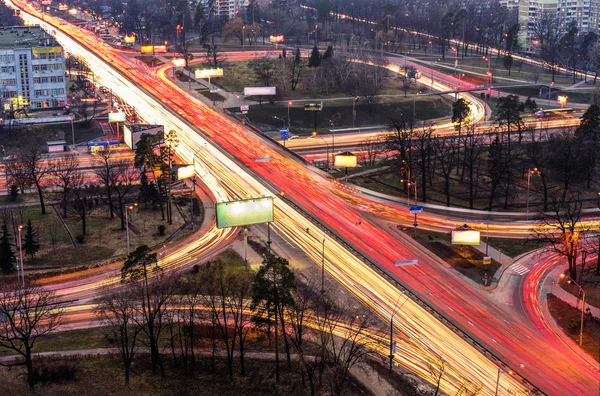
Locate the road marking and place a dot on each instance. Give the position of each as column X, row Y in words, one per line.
column 519, row 269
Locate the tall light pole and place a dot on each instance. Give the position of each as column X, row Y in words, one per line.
column 314, row 134
column 396, row 308
column 192, row 193
column 536, row 172
column 71, row 117
column 356, row 98
column 21, row 258
column 289, row 123
column 127, row 209
column 243, row 41
column 582, row 305
column 5, row 169
column 323, row 269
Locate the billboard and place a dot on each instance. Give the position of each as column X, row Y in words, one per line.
column 147, row 49
column 178, row 62
column 185, row 172
column 345, row 160
column 160, row 49
column 260, row 91
column 129, row 39
column 276, row 39
column 208, row 73
column 117, row 117
column 466, row 237
column 245, row 212
column 313, row 107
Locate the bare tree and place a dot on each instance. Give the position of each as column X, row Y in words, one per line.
column 81, row 197
column 64, row 173
column 473, row 149
column 424, row 151
column 561, row 227
column 118, row 310
column 38, row 167
column 28, row 314
column 239, row 303
column 18, row 174
column 370, row 149
column 445, row 151
column 437, row 367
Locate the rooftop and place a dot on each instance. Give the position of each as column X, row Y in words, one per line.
column 12, row 37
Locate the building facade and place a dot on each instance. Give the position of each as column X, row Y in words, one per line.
column 584, row 12
column 227, row 8
column 32, row 69
column 530, row 14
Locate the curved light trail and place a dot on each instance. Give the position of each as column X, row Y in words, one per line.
column 425, row 332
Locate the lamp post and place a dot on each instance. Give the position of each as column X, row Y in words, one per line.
column 582, row 305
column 536, row 172
column 21, row 258
column 315, row 134
column 192, row 193
column 396, row 308
column 323, row 269
column 127, row 209
column 5, row 170
column 498, row 381
column 289, row 123
column 72, row 131
column 356, row 98
column 243, row 41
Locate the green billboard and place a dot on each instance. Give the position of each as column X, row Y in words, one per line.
column 244, row 212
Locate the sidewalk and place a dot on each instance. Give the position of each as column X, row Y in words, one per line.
column 565, row 295
column 495, row 254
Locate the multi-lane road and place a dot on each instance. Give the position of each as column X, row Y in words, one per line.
column 359, row 253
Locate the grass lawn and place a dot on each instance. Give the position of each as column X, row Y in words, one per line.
column 340, row 111
column 509, row 246
column 569, row 320
column 21, row 137
column 104, row 376
column 468, row 261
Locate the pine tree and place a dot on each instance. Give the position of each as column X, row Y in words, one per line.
column 31, row 244
column 7, row 256
column 328, row 54
column 315, row 58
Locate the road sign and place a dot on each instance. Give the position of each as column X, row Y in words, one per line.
column 244, row 109
column 284, row 133
column 406, row 262
column 487, row 260
column 415, row 209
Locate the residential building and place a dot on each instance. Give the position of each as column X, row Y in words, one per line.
column 530, row 13
column 32, row 69
column 584, row 12
column 227, row 8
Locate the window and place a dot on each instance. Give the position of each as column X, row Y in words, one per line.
column 36, row 68
column 36, row 80
column 9, row 81
column 37, row 92
column 44, row 80
column 58, row 91
column 56, row 79
column 43, row 56
column 56, row 66
column 43, row 67
column 58, row 55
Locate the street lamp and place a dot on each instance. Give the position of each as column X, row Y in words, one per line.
column 21, row 258
column 243, row 41
column 356, row 98
column 315, row 134
column 71, row 117
column 569, row 280
column 289, row 123
column 396, row 308
column 127, row 209
column 534, row 172
column 323, row 269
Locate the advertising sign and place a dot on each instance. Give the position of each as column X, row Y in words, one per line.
column 208, row 73
column 245, row 212
column 147, row 49
column 178, row 62
column 260, row 91
column 129, row 39
column 345, row 160
column 313, row 107
column 276, row 39
column 117, row 117
column 185, row 172
column 466, row 237
column 160, row 49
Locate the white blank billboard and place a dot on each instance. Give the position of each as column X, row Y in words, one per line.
column 466, row 237
column 260, row 91
column 246, row 212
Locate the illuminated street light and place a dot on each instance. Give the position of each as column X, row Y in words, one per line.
column 562, row 100
column 534, row 172
column 21, row 258
column 569, row 280
column 127, row 209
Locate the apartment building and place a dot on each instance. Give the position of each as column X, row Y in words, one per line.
column 530, row 13
column 32, row 69
column 584, row 12
column 228, row 8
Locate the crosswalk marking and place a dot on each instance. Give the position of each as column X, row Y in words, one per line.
column 519, row 269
